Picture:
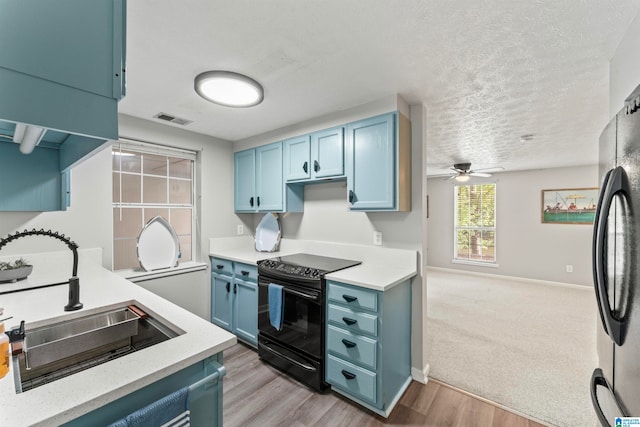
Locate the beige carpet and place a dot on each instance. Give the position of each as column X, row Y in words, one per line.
column 528, row 346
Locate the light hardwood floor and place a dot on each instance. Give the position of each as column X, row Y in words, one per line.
column 256, row 394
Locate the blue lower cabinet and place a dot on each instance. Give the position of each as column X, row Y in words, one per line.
column 368, row 343
column 234, row 298
column 205, row 401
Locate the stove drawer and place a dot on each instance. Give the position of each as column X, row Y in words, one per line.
column 355, row 348
column 352, row 320
column 353, row 297
column 356, row 381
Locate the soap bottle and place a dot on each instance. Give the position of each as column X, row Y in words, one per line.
column 4, row 352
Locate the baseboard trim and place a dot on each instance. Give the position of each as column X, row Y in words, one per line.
column 491, row 402
column 501, row 276
column 420, row 376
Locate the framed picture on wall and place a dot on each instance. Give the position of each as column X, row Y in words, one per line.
column 569, row 206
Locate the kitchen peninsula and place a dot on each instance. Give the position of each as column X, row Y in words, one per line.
column 74, row 396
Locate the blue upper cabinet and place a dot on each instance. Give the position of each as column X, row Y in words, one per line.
column 64, row 73
column 258, row 181
column 66, row 70
column 379, row 163
column 317, row 156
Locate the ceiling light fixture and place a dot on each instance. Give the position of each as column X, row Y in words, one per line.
column 229, row 89
column 462, row 178
column 28, row 137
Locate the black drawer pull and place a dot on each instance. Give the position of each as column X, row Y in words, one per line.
column 349, row 321
column 219, row 266
column 348, row 344
column 244, row 273
column 227, row 287
column 348, row 375
column 349, row 298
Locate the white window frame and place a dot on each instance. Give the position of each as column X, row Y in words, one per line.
column 457, row 260
column 144, row 147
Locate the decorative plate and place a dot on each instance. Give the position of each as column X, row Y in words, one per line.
column 158, row 245
column 268, row 233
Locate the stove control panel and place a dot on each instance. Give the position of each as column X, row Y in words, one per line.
column 269, row 265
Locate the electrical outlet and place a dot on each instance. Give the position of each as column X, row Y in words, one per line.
column 377, row 238
column 569, row 268
column 240, row 229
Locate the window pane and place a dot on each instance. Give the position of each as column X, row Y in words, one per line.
column 125, row 254
column 488, row 246
column 150, row 213
column 185, row 248
column 179, row 191
column 155, row 165
column 475, row 222
column 131, row 189
column 180, row 168
column 116, row 186
column 155, row 189
column 130, row 161
column 462, row 244
column 181, row 221
column 127, row 222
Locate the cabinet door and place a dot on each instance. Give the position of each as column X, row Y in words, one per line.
column 81, row 44
column 327, row 153
column 244, row 181
column 221, row 300
column 269, row 184
column 297, row 159
column 245, row 310
column 371, row 163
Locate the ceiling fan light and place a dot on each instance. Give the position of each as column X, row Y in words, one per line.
column 229, row 89
column 462, row 178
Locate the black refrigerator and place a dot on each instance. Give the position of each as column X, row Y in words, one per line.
column 615, row 384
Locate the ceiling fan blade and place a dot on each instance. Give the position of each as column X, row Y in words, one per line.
column 480, row 174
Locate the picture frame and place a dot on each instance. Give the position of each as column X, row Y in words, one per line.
column 569, row 205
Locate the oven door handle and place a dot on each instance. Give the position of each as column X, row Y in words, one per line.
column 301, row 294
column 289, row 359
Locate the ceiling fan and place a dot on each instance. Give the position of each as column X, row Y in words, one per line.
column 462, row 172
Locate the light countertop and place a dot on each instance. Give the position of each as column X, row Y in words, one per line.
column 381, row 268
column 80, row 393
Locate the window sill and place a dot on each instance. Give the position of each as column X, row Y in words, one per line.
column 141, row 275
column 475, row 263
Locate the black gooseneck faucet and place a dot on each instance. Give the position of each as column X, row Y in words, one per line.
column 74, row 282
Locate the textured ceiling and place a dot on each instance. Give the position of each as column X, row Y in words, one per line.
column 488, row 71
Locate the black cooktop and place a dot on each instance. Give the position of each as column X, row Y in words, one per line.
column 304, row 265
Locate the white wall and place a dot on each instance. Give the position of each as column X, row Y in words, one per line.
column 524, row 247
column 624, row 67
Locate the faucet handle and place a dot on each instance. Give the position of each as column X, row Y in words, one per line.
column 16, row 334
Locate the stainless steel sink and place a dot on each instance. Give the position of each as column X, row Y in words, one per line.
column 64, row 347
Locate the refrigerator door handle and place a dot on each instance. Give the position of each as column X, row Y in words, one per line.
column 617, row 184
column 598, row 379
column 594, row 251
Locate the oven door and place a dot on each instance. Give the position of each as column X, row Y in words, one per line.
column 303, row 324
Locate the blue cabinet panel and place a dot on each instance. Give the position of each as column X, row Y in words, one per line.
column 269, row 184
column 297, row 152
column 371, row 159
column 245, row 180
column 327, row 153
column 245, row 310
column 221, row 300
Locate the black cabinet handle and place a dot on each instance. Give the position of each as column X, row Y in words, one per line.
column 235, row 288
column 316, row 166
column 251, row 201
column 258, row 201
column 348, row 375
column 219, row 266
column 617, row 183
column 244, row 273
column 227, row 286
column 348, row 344
column 349, row 298
column 305, row 167
column 349, row 321
column 352, row 196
